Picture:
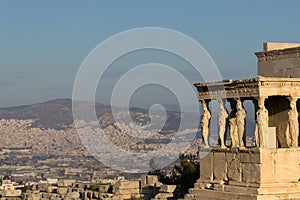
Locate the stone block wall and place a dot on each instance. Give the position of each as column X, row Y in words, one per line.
column 279, row 60
column 227, row 165
column 127, row 190
column 149, row 186
column 254, row 166
column 254, row 173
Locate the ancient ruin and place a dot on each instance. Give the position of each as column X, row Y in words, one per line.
column 271, row 168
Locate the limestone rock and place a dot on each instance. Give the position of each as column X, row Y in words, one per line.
column 167, row 188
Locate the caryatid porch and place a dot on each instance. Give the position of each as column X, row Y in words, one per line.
column 263, row 172
column 275, row 102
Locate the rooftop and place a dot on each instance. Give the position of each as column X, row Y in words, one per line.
column 270, row 46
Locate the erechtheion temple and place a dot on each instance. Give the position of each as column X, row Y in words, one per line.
column 271, row 168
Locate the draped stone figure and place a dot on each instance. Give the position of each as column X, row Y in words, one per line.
column 240, row 121
column 205, row 121
column 293, row 123
column 262, row 123
column 222, row 119
column 232, row 124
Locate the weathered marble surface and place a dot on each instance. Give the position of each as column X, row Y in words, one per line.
column 256, row 173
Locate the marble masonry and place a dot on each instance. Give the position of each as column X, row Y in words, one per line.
column 271, row 168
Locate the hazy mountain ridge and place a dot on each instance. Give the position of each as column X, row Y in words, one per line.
column 57, row 114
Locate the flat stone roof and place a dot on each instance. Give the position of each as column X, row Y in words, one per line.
column 270, row 46
column 249, row 88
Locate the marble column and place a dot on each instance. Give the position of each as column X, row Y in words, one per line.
column 205, row 122
column 293, row 123
column 232, row 124
column 262, row 123
column 222, row 119
column 240, row 122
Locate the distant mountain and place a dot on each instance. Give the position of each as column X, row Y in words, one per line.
column 57, row 114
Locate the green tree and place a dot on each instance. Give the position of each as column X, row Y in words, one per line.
column 184, row 174
column 189, row 171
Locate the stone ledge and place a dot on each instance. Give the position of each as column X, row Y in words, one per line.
column 224, row 195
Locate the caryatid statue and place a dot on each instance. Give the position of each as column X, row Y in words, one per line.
column 222, row 119
column 262, row 123
column 205, row 121
column 240, row 122
column 232, row 124
column 293, row 123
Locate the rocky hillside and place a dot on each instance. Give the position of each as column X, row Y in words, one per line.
column 57, row 114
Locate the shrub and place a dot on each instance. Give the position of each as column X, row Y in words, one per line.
column 186, row 174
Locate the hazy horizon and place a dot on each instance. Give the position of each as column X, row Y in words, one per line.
column 44, row 43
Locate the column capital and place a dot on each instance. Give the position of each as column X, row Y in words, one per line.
column 261, row 97
column 293, row 98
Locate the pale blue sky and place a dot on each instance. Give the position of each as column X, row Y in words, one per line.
column 42, row 43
